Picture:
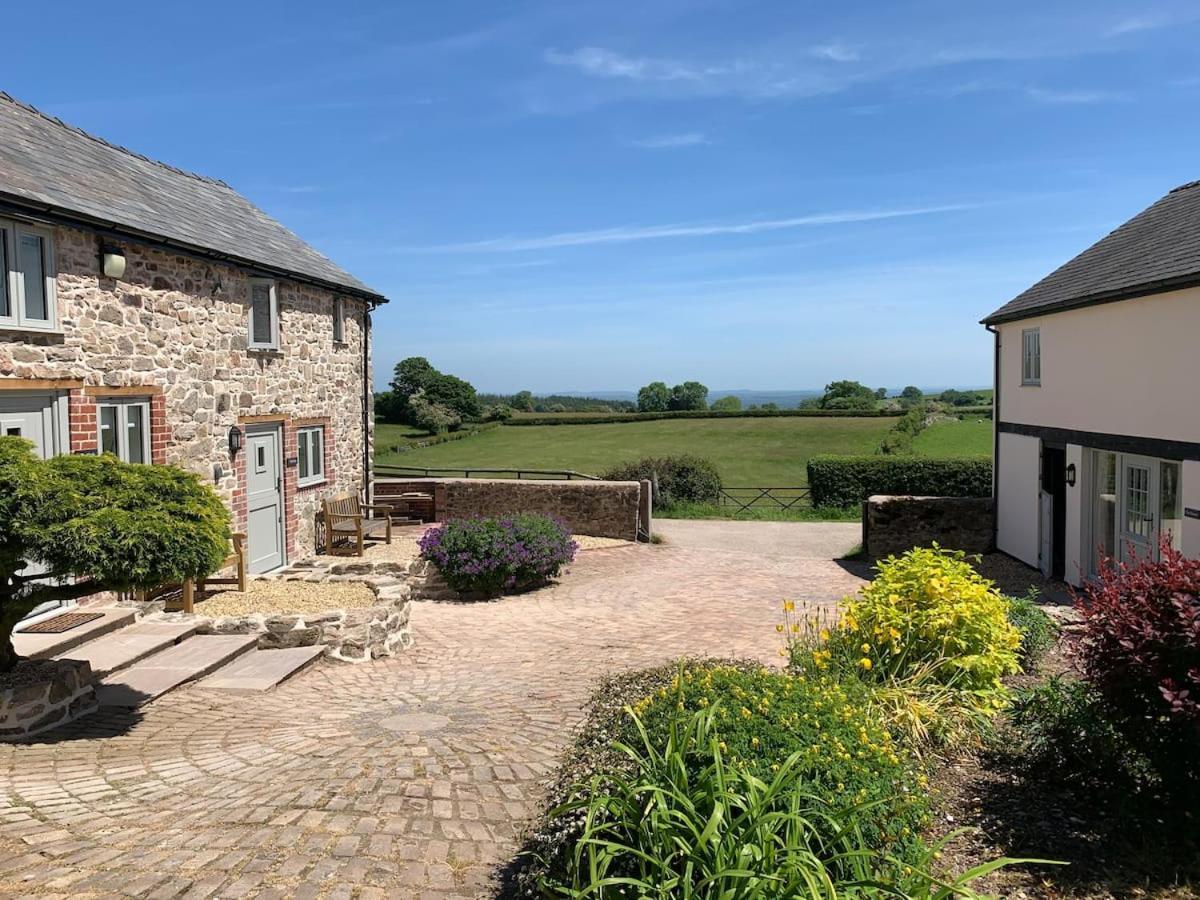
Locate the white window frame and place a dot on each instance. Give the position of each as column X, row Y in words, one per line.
column 122, row 406
column 310, row 451
column 273, row 342
column 13, row 286
column 339, row 320
column 1031, row 357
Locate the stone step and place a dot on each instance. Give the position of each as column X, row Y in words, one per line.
column 121, row 649
column 167, row 669
column 45, row 646
column 260, row 670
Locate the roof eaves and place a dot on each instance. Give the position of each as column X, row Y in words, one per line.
column 1131, row 292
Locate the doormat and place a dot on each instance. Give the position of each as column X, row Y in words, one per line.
column 60, row 623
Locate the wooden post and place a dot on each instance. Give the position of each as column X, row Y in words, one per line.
column 189, row 596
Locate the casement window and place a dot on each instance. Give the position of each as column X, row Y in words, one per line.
column 339, row 313
column 124, row 426
column 311, row 442
column 27, row 297
column 1031, row 356
column 264, row 315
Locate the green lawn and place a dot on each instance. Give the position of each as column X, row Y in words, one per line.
column 748, row 452
column 969, row 437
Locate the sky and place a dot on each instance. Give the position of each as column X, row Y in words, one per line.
column 590, row 196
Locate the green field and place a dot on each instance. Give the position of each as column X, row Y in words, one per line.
column 970, row 437
column 750, row 452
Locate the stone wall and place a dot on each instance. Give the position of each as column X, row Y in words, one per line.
column 45, row 693
column 350, row 635
column 597, row 508
column 893, row 525
column 174, row 329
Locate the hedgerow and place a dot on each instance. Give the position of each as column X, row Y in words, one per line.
column 848, row 480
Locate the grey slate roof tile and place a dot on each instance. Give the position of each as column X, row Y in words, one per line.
column 1158, row 249
column 47, row 162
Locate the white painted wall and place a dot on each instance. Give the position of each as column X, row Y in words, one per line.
column 1017, row 476
column 1076, row 564
column 1189, row 480
column 1129, row 368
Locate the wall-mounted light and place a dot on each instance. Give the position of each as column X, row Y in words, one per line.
column 235, row 440
column 112, row 261
column 1071, row 475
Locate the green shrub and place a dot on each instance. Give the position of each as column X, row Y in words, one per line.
column 499, row 554
column 676, row 479
column 848, row 480
column 1038, row 631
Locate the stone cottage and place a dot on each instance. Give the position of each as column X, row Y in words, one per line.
column 160, row 316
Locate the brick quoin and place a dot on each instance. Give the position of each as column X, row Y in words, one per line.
column 81, row 411
column 160, row 431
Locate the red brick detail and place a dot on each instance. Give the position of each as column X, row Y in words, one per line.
column 160, row 432
column 81, row 411
column 290, row 474
column 238, row 501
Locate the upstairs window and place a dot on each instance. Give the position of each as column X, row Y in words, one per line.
column 27, row 297
column 264, row 315
column 311, row 444
column 339, row 313
column 1031, row 356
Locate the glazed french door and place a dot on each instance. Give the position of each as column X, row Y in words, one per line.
column 1138, row 502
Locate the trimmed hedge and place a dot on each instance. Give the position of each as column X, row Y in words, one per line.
column 847, row 480
column 606, row 419
column 677, row 479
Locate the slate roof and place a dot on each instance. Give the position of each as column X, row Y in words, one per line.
column 1157, row 250
column 47, row 163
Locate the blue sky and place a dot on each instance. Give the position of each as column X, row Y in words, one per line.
column 567, row 196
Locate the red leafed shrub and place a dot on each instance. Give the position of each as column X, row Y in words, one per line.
column 1141, row 641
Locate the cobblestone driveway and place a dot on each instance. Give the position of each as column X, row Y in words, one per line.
column 401, row 778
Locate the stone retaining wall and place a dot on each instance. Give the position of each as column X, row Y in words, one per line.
column 597, row 508
column 893, row 525
column 54, row 692
column 358, row 634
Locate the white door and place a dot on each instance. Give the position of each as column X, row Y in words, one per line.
column 1136, row 530
column 35, row 418
column 264, row 498
column 1046, row 532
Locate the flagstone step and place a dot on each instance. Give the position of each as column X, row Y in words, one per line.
column 155, row 675
column 260, row 670
column 120, row 649
column 45, row 646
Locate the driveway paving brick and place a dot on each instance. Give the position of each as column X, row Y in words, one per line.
column 409, row 777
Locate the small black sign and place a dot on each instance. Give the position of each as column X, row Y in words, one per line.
column 293, row 461
column 1191, row 513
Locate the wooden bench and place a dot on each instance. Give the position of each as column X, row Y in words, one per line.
column 343, row 518
column 236, row 560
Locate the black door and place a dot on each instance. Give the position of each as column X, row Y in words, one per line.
column 1054, row 482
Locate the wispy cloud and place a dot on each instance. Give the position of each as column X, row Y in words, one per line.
column 1075, row 97
column 835, row 53
column 1147, row 22
column 670, row 141
column 604, row 63
column 631, row 233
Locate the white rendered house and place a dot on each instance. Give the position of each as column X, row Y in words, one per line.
column 1097, row 376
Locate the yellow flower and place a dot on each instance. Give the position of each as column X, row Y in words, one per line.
column 754, row 742
column 789, row 606
column 746, row 713
column 779, row 628
column 824, row 634
column 866, row 648
column 865, row 663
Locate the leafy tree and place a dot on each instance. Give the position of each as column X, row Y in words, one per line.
column 960, row 398
column 912, row 394
column 848, row 395
column 94, row 523
column 389, row 408
column 522, row 401
column 881, row 393
column 771, row 407
column 727, row 404
column 417, row 374
column 431, row 416
column 654, row 397
column 688, row 396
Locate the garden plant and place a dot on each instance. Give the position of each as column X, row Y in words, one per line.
column 497, row 555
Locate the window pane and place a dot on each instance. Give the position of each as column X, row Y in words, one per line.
column 33, row 275
column 338, row 332
column 5, row 308
column 318, row 448
column 260, row 313
column 1104, row 508
column 135, row 433
column 304, row 437
column 108, row 430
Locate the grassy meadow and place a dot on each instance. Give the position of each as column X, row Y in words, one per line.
column 970, row 437
column 756, row 452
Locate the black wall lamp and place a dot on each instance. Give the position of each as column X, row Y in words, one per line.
column 1071, row 475
column 112, row 261
column 235, row 440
